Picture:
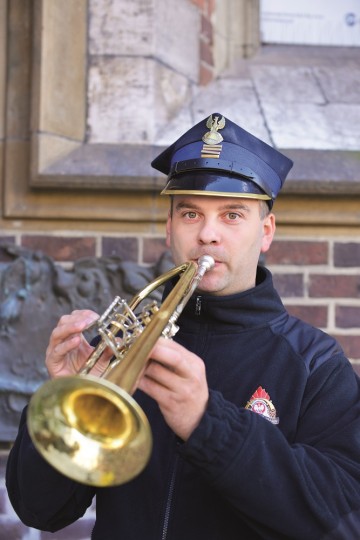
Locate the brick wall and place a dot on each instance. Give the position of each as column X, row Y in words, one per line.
column 206, row 69
column 318, row 279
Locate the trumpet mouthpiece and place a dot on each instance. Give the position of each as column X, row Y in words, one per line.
column 206, row 261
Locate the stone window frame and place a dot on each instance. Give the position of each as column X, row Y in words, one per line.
column 33, row 132
column 49, row 172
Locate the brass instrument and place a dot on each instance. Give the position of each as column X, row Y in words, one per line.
column 90, row 428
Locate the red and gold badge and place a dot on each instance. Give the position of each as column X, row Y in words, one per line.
column 260, row 403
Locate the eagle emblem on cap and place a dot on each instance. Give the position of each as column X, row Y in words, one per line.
column 214, row 124
column 261, row 403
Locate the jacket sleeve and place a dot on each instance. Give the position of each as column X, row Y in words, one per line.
column 307, row 488
column 43, row 498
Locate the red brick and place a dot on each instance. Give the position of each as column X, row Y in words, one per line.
column 206, row 29
column 200, row 4
column 289, row 285
column 206, row 53
column 153, row 249
column 125, row 248
column 314, row 315
column 61, row 248
column 297, row 252
column 350, row 345
column 347, row 316
column 334, row 286
column 206, row 75
column 211, row 6
column 347, row 254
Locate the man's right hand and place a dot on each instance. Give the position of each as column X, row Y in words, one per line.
column 68, row 350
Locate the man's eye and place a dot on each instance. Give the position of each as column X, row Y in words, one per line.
column 233, row 216
column 191, row 215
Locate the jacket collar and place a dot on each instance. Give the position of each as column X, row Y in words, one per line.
column 254, row 307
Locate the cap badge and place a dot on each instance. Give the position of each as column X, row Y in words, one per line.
column 261, row 403
column 212, row 138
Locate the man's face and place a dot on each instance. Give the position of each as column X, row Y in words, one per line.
column 231, row 230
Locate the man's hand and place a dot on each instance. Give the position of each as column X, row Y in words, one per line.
column 68, row 350
column 176, row 379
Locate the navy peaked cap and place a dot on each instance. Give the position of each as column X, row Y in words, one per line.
column 218, row 157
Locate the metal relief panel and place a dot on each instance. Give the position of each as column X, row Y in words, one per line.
column 34, row 293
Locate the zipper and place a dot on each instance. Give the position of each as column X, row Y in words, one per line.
column 169, row 501
column 198, row 305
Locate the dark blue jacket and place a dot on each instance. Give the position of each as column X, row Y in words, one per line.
column 240, row 475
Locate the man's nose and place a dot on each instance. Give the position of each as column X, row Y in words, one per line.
column 209, row 233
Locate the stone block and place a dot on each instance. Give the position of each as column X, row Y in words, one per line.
column 121, row 28
column 130, row 99
column 339, row 84
column 62, row 71
column 177, row 29
column 234, row 98
column 3, row 19
column 308, row 126
column 287, row 84
column 165, row 29
column 18, row 50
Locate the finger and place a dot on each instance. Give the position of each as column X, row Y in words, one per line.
column 155, row 390
column 61, row 348
column 76, row 322
column 67, row 334
column 168, row 353
column 176, row 358
column 162, row 375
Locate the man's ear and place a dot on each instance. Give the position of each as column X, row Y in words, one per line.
column 269, row 227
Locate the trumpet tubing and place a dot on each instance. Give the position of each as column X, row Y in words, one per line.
column 91, row 429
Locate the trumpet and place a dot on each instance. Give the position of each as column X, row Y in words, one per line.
column 90, row 428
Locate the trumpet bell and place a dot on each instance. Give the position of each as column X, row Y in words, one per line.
column 93, row 432
column 91, row 429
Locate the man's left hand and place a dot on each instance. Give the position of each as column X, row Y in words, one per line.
column 176, row 379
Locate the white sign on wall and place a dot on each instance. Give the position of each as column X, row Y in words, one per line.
column 311, row 22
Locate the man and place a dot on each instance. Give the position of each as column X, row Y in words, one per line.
column 255, row 414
